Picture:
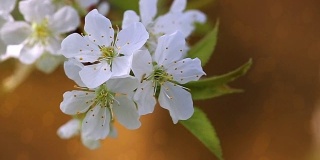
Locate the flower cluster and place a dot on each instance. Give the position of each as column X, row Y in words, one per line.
column 37, row 39
column 121, row 74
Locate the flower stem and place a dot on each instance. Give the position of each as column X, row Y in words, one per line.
column 22, row 71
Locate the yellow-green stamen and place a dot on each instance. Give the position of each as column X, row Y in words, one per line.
column 41, row 32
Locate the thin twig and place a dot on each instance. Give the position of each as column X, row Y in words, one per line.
column 21, row 72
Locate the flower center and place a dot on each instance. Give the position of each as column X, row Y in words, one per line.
column 104, row 98
column 41, row 32
column 108, row 53
column 159, row 76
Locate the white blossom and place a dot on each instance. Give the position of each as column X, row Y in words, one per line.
column 41, row 31
column 72, row 68
column 175, row 20
column 106, row 56
column 73, row 128
column 84, row 5
column 69, row 129
column 166, row 70
column 109, row 102
column 5, row 8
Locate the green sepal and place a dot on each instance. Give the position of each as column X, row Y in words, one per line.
column 217, row 85
column 205, row 47
column 199, row 125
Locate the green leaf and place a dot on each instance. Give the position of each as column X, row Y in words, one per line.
column 205, row 47
column 124, row 5
column 199, row 125
column 199, row 4
column 203, row 29
column 216, row 86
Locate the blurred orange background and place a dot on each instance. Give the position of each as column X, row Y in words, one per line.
column 276, row 118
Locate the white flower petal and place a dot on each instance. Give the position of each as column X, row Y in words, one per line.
column 142, row 64
column 66, row 19
column 132, row 38
column 188, row 19
column 177, row 100
column 170, row 48
column 99, row 28
column 170, row 23
column 7, row 6
column 13, row 33
column 54, row 45
column 29, row 54
column 69, row 129
column 72, row 68
column 80, row 48
column 126, row 112
column 121, row 66
column 113, row 131
column 94, row 75
column 178, row 21
column 148, row 9
column 122, row 85
column 75, row 102
column 12, row 51
column 89, row 143
column 96, row 123
column 186, row 70
column 104, row 8
column 129, row 17
column 36, row 10
column 47, row 63
column 195, row 16
column 4, row 18
column 144, row 97
column 178, row 5
column 85, row 4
